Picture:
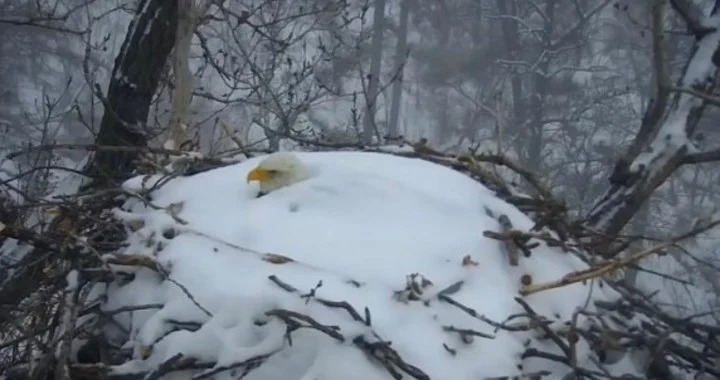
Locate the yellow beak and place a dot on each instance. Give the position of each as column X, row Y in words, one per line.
column 258, row 174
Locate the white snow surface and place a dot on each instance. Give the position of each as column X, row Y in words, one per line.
column 361, row 225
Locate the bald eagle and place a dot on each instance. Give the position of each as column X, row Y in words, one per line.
column 278, row 170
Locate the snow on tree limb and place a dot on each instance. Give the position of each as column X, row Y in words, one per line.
column 692, row 16
column 638, row 174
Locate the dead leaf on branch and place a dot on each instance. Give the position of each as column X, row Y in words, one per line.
column 276, row 259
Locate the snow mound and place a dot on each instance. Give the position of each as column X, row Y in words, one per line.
column 375, row 267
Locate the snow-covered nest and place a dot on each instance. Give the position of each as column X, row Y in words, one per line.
column 373, row 248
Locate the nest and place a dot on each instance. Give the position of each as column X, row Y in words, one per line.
column 53, row 328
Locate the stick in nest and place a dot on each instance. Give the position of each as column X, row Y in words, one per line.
column 510, row 246
column 611, row 266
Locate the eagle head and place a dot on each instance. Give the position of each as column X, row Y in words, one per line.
column 278, row 170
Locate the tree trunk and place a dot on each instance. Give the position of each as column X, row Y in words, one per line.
column 137, row 69
column 400, row 60
column 178, row 126
column 374, row 76
column 535, row 137
column 512, row 42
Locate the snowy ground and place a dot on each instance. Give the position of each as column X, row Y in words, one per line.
column 360, row 227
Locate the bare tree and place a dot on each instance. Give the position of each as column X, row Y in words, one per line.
column 264, row 61
column 373, row 86
column 664, row 141
column 400, row 61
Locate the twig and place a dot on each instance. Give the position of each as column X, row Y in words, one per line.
column 389, row 358
column 94, row 147
column 540, row 323
column 613, row 265
column 714, row 100
column 293, row 319
column 473, row 313
column 465, row 333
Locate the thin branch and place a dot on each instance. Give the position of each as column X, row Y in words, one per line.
column 613, row 265
column 714, row 100
column 697, row 158
column 93, row 148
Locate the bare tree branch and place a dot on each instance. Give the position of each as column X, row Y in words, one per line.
column 692, row 16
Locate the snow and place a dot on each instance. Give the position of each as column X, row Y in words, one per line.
column 405, row 148
column 358, row 231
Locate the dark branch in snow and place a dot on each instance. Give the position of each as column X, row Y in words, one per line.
column 511, row 246
column 452, row 289
column 652, row 331
column 294, row 321
column 473, row 313
column 347, row 307
column 528, row 376
column 176, row 363
column 335, row 304
column 467, row 334
column 542, row 324
column 311, row 294
column 535, row 353
column 247, row 365
column 389, row 358
column 283, row 285
column 126, row 309
column 381, row 351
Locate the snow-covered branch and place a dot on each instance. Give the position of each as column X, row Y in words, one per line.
column 692, row 16
column 664, row 144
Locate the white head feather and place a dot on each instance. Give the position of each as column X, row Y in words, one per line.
column 279, row 170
